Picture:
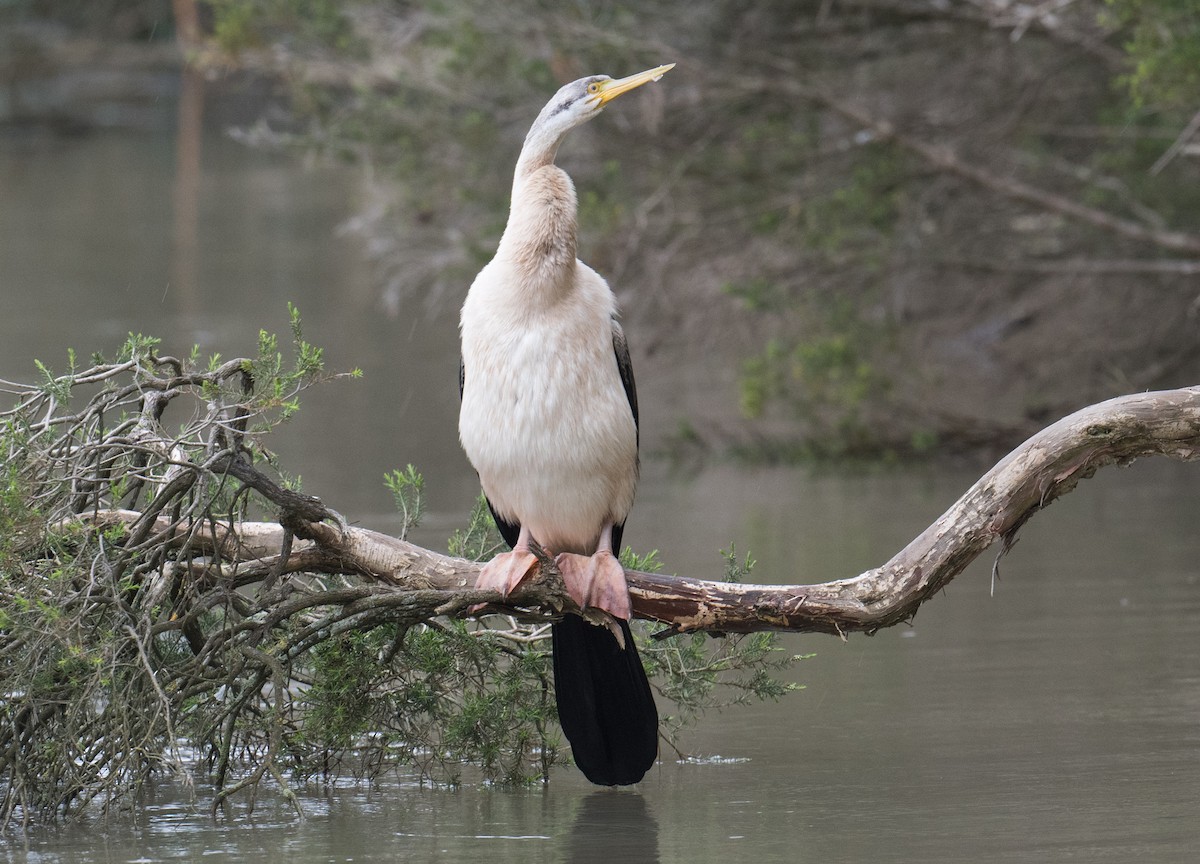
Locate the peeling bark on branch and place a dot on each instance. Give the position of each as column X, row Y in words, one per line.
column 1048, row 465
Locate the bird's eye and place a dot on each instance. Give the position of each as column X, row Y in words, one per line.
column 594, row 87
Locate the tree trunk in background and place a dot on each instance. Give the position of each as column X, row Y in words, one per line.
column 187, row 25
column 185, row 196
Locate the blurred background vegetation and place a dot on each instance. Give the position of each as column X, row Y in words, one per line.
column 877, row 228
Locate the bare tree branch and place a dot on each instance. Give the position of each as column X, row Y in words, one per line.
column 945, row 160
column 1017, row 18
column 1165, row 266
column 1049, row 464
column 1177, row 147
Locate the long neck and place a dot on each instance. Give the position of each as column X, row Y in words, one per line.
column 540, row 238
column 540, row 147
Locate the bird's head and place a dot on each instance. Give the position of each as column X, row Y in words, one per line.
column 581, row 100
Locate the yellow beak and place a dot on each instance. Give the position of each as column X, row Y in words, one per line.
column 610, row 90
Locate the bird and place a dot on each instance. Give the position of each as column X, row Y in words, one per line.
column 548, row 418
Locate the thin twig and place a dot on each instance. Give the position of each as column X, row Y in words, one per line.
column 1188, row 133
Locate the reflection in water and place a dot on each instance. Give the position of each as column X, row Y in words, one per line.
column 614, row 826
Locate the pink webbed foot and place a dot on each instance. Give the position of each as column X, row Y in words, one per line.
column 598, row 581
column 506, row 571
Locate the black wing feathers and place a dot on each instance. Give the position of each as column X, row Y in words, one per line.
column 625, row 368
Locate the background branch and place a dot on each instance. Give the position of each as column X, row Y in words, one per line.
column 788, row 79
column 945, row 160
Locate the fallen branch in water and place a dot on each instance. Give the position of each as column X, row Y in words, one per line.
column 1048, row 465
column 1045, row 467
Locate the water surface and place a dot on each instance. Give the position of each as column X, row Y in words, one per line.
column 1056, row 720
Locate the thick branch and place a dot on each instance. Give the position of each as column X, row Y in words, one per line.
column 1048, row 465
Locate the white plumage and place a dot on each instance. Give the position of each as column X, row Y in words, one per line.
column 545, row 419
column 548, row 415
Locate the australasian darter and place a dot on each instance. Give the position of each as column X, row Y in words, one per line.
column 549, row 419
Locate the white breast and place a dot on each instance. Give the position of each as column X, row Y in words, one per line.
column 544, row 417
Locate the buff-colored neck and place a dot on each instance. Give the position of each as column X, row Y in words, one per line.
column 540, row 238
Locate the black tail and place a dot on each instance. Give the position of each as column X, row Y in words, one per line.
column 604, row 702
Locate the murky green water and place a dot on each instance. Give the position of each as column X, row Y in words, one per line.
column 1057, row 720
